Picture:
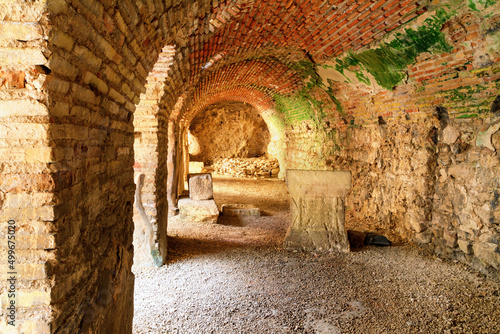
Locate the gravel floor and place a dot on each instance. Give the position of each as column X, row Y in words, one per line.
column 233, row 277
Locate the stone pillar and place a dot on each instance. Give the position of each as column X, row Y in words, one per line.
column 317, row 204
column 200, row 186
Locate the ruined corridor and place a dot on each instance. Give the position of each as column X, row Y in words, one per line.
column 375, row 116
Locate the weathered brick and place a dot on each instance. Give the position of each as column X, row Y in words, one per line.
column 62, row 67
column 25, row 31
column 25, row 57
column 87, row 56
column 61, row 39
column 84, row 94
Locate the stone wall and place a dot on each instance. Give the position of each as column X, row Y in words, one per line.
column 229, row 130
column 423, row 155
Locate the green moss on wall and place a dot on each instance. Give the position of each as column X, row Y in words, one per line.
column 473, row 4
column 330, row 93
column 465, row 93
column 388, row 62
column 295, row 108
column 307, row 71
column 303, row 105
column 467, row 116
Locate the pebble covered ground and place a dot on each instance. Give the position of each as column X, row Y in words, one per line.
column 233, row 277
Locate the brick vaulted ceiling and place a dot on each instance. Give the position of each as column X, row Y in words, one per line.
column 252, row 44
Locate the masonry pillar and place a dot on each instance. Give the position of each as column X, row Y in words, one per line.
column 317, row 204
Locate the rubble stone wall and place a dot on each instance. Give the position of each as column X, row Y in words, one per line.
column 424, row 156
column 229, row 130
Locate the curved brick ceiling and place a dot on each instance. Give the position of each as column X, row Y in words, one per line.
column 254, row 97
column 280, row 33
column 247, row 77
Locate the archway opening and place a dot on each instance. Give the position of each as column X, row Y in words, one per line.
column 233, row 139
column 236, row 143
column 150, row 167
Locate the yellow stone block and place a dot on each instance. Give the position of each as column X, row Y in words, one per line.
column 38, row 154
column 25, row 31
column 25, row 57
column 22, row 108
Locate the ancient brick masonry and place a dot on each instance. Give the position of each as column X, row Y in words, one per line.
column 150, row 132
column 67, row 137
column 93, row 91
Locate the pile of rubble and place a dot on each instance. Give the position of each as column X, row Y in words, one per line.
column 247, row 167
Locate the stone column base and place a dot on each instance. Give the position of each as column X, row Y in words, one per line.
column 317, row 206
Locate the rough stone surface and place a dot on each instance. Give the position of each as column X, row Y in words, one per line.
column 200, row 186
column 317, row 205
column 228, row 130
column 198, row 211
column 239, row 210
column 196, row 167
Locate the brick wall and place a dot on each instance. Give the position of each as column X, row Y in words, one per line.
column 150, row 246
column 28, row 181
column 71, row 76
column 100, row 66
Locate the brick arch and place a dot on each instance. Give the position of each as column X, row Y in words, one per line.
column 264, row 75
column 68, row 183
column 258, row 99
column 150, row 170
column 262, row 102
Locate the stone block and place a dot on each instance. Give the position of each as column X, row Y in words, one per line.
column 488, row 253
column 239, row 210
column 196, row 167
column 198, row 211
column 316, row 183
column 317, row 207
column 451, row 134
column 200, row 186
